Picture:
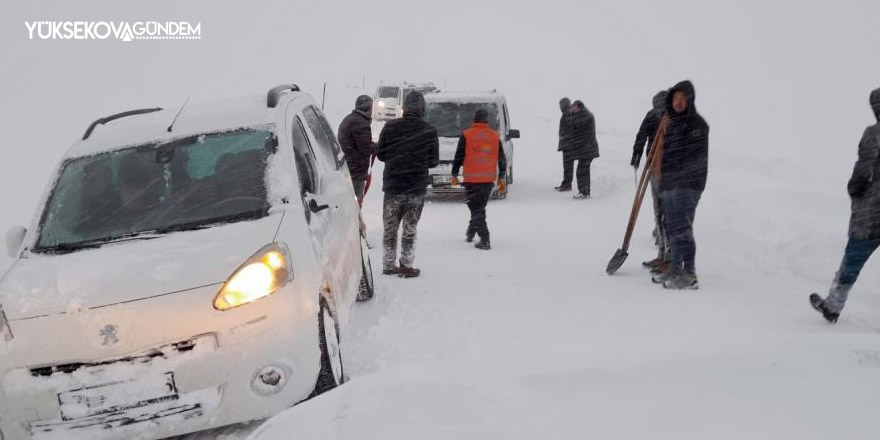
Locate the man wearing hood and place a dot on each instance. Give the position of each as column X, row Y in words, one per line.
column 864, row 225
column 646, row 133
column 582, row 147
column 682, row 171
column 409, row 146
column 356, row 139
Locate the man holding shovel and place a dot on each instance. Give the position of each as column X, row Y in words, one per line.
column 682, row 171
column 646, row 133
column 356, row 139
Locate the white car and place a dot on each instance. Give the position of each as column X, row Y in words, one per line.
column 388, row 102
column 453, row 112
column 180, row 278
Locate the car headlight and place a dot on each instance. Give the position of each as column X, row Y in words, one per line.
column 5, row 331
column 381, row 104
column 260, row 276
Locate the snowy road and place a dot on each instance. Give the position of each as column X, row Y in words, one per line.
column 532, row 338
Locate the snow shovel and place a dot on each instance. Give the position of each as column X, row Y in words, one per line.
column 621, row 254
column 369, row 178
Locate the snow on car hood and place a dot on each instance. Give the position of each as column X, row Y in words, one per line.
column 448, row 145
column 128, row 271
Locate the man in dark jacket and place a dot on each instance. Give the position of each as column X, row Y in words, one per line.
column 582, row 147
column 481, row 153
column 564, row 137
column 646, row 133
column 864, row 224
column 682, row 172
column 356, row 138
column 409, row 146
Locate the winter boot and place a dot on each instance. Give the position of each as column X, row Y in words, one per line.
column 469, row 236
column 408, row 272
column 682, row 281
column 393, row 271
column 663, row 272
column 582, row 195
column 563, row 188
column 483, row 244
column 654, row 263
column 819, row 304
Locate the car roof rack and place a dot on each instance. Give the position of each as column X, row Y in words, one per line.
column 275, row 93
column 110, row 118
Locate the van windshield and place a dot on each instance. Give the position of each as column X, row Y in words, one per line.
column 189, row 183
column 451, row 118
column 387, row 92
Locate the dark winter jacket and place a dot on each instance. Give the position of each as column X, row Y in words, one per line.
column 649, row 128
column 583, row 135
column 409, row 146
column 564, row 128
column 864, row 185
column 685, row 159
column 356, row 139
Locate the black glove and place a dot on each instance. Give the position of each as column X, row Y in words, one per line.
column 637, row 157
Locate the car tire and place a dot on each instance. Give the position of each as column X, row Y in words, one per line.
column 366, row 288
column 510, row 176
column 331, row 374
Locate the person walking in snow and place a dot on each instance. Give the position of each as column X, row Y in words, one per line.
column 409, row 146
column 682, row 172
column 564, row 137
column 864, row 224
column 582, row 147
column 482, row 155
column 356, row 139
column 647, row 130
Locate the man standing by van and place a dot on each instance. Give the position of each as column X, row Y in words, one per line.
column 356, row 138
column 864, row 224
column 409, row 146
column 481, row 153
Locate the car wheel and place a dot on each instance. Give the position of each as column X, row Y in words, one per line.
column 366, row 287
column 510, row 176
column 331, row 374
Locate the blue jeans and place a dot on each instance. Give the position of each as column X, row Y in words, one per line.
column 854, row 258
column 679, row 208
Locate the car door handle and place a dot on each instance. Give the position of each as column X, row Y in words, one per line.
column 315, row 207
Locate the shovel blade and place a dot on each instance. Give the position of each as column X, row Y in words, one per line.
column 616, row 261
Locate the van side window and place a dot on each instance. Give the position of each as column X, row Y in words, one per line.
column 327, row 142
column 306, row 166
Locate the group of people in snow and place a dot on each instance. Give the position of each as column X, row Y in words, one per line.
column 577, row 142
column 673, row 138
column 409, row 147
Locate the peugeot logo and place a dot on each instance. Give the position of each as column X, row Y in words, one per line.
column 109, row 333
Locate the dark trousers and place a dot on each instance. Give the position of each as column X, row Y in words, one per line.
column 583, row 170
column 680, row 208
column 359, row 185
column 855, row 256
column 477, row 198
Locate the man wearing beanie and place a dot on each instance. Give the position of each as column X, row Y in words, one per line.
column 409, row 146
column 481, row 153
column 356, row 139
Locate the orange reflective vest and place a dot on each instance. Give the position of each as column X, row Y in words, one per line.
column 481, row 154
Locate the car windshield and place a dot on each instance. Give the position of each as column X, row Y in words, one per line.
column 387, row 92
column 451, row 118
column 151, row 189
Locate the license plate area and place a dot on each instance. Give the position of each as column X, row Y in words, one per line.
column 117, row 396
column 441, row 179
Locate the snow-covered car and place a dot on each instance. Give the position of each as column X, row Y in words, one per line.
column 453, row 112
column 388, row 102
column 182, row 277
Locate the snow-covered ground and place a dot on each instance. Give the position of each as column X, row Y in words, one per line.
column 532, row 339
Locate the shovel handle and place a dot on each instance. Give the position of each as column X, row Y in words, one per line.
column 643, row 184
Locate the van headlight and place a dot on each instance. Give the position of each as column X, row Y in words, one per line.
column 381, row 104
column 5, row 331
column 260, row 276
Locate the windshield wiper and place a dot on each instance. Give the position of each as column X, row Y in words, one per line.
column 98, row 242
column 207, row 223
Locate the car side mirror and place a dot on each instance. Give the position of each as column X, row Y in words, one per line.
column 14, row 240
column 512, row 134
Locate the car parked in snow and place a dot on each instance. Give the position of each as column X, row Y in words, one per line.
column 453, row 112
column 388, row 102
column 182, row 277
